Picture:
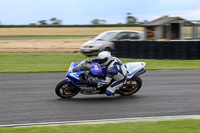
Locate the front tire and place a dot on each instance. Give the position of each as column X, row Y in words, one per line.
column 62, row 90
column 132, row 86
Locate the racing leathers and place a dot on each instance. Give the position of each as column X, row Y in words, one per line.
column 116, row 76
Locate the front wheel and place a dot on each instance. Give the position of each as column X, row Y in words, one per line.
column 64, row 89
column 131, row 86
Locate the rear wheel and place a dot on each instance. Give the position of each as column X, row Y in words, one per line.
column 64, row 90
column 131, row 87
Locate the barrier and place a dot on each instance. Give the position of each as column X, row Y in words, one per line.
column 157, row 49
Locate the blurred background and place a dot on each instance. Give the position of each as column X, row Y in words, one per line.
column 63, row 26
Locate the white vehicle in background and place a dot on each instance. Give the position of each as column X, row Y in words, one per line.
column 104, row 41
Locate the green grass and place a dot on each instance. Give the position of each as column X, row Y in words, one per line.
column 178, row 126
column 59, row 62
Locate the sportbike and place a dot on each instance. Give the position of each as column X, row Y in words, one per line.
column 78, row 81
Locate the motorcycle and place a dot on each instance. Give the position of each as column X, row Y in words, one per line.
column 77, row 80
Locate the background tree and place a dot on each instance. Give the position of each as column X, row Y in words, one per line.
column 55, row 21
column 58, row 22
column 32, row 24
column 95, row 21
column 42, row 22
column 130, row 19
column 98, row 21
column 102, row 21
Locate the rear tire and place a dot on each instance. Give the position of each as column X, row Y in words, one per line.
column 132, row 85
column 62, row 90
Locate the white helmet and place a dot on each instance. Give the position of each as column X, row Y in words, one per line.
column 104, row 58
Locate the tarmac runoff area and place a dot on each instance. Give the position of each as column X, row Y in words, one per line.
column 107, row 121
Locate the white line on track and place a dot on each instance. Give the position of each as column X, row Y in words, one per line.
column 105, row 121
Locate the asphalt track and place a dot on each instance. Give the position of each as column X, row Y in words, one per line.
column 30, row 98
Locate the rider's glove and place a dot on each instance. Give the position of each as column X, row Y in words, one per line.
column 88, row 61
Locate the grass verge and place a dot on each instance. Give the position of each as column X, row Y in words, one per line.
column 59, row 62
column 177, row 126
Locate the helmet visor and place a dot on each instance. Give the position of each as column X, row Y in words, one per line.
column 101, row 61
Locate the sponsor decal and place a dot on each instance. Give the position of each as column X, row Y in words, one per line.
column 96, row 67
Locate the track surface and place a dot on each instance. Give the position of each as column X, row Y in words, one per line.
column 30, row 98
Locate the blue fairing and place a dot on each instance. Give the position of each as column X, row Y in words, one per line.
column 67, row 79
column 77, row 63
column 96, row 70
column 74, row 76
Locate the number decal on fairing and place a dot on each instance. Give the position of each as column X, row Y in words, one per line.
column 96, row 67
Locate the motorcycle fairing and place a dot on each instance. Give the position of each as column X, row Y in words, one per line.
column 74, row 77
column 134, row 67
column 97, row 70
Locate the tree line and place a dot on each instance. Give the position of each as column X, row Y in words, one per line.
column 53, row 21
column 130, row 21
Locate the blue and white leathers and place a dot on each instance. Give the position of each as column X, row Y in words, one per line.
column 116, row 75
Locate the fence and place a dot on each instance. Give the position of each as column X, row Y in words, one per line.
column 158, row 49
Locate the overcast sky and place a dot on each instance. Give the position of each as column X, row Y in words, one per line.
column 83, row 11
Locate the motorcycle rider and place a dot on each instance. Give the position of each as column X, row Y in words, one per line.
column 116, row 72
